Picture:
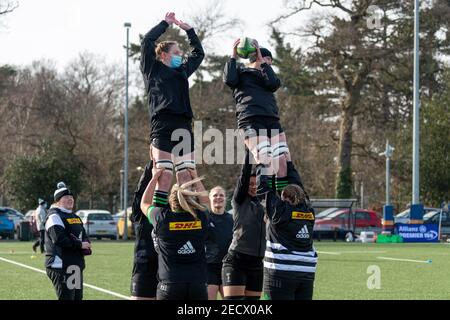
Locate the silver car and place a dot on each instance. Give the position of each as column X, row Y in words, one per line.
column 98, row 223
column 404, row 216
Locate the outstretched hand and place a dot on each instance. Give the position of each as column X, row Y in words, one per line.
column 259, row 57
column 183, row 25
column 235, row 44
column 170, row 18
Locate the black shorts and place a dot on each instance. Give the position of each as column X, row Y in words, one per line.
column 145, row 269
column 59, row 280
column 182, row 291
column 284, row 285
column 215, row 274
column 260, row 126
column 162, row 128
column 243, row 270
column 143, row 285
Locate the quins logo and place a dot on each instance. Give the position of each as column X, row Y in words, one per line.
column 302, row 215
column 183, row 226
column 74, row 221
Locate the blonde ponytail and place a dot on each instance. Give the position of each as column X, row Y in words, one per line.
column 183, row 198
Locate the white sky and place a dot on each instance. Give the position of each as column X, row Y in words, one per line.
column 60, row 29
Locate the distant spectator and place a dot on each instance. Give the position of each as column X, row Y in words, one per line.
column 39, row 219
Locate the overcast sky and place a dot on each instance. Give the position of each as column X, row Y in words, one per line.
column 60, row 29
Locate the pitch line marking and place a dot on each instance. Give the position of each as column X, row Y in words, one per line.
column 85, row 284
column 405, row 260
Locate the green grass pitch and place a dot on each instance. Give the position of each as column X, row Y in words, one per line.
column 342, row 271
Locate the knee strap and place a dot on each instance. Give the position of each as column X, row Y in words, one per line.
column 279, row 149
column 164, row 164
column 185, row 164
column 264, row 148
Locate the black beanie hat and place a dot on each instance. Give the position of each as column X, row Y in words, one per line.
column 61, row 191
column 264, row 53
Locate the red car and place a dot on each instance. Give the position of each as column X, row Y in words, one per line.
column 339, row 223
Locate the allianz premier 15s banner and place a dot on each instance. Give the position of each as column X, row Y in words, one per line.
column 417, row 232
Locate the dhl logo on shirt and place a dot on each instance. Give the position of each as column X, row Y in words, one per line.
column 182, row 226
column 74, row 221
column 302, row 215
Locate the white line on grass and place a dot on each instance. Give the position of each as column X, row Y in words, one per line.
column 405, row 260
column 85, row 284
column 363, row 251
column 325, row 252
column 342, row 252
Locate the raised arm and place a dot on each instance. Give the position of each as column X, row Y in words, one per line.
column 147, row 197
column 145, row 178
column 276, row 209
column 230, row 73
column 271, row 81
column 197, row 53
column 294, row 177
column 241, row 190
column 148, row 54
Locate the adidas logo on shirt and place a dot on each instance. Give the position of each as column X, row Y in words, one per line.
column 303, row 233
column 187, row 248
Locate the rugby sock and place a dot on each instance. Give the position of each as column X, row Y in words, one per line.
column 270, row 183
column 281, row 183
column 160, row 198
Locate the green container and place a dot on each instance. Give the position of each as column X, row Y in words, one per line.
column 383, row 238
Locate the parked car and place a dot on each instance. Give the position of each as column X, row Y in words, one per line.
column 340, row 223
column 98, row 223
column 433, row 217
column 16, row 217
column 404, row 216
column 121, row 224
column 6, row 225
column 29, row 216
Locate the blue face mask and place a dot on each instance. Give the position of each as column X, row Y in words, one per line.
column 176, row 61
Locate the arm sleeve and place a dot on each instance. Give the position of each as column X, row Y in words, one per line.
column 241, row 190
column 277, row 211
column 151, row 214
column 57, row 233
column 231, row 74
column 197, row 54
column 148, row 55
column 271, row 81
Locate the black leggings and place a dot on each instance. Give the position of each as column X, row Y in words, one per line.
column 41, row 241
column 59, row 279
column 283, row 287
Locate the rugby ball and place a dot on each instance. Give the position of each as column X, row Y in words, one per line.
column 245, row 48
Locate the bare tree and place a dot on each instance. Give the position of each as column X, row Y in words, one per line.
column 8, row 6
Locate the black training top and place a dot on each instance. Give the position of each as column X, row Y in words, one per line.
column 219, row 236
column 168, row 88
column 290, row 229
column 181, row 245
column 64, row 233
column 249, row 229
column 253, row 90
